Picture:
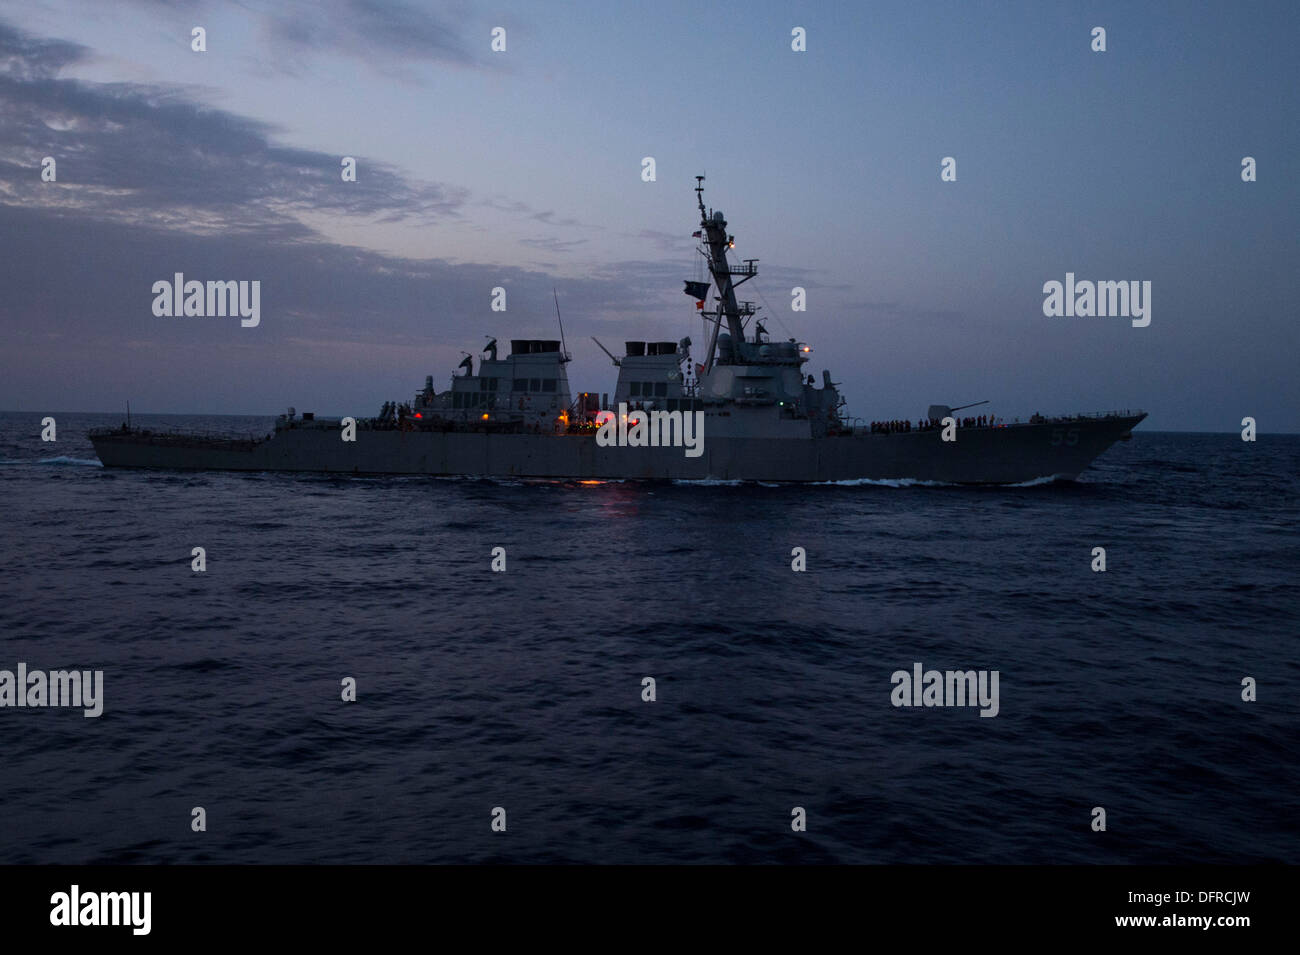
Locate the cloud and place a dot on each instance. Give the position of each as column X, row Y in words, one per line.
column 79, row 331
column 667, row 241
column 365, row 28
column 147, row 154
column 387, row 36
column 552, row 244
column 27, row 58
column 151, row 183
column 524, row 211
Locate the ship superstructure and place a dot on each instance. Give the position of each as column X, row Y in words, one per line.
column 527, row 390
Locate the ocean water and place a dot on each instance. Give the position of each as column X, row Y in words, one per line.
column 523, row 689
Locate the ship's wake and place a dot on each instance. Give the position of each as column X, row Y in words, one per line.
column 886, row 482
column 62, row 461
column 866, row 482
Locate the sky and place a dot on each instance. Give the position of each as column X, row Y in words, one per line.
column 522, row 169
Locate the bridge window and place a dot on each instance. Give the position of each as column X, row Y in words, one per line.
column 661, row 389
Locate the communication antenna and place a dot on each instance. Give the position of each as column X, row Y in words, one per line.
column 563, row 344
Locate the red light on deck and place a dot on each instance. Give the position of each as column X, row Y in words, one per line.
column 418, row 415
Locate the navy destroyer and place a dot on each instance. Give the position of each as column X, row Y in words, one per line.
column 743, row 409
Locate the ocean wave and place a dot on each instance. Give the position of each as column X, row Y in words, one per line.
column 61, row 461
column 72, row 462
column 1040, row 481
column 885, row 482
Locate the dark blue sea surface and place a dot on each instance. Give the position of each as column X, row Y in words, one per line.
column 523, row 689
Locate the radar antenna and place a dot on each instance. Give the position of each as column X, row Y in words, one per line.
column 727, row 277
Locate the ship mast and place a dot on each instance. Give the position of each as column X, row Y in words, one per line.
column 713, row 227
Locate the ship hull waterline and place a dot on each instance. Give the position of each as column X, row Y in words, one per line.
column 1006, row 455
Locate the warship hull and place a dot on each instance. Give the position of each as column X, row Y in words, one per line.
column 1011, row 454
